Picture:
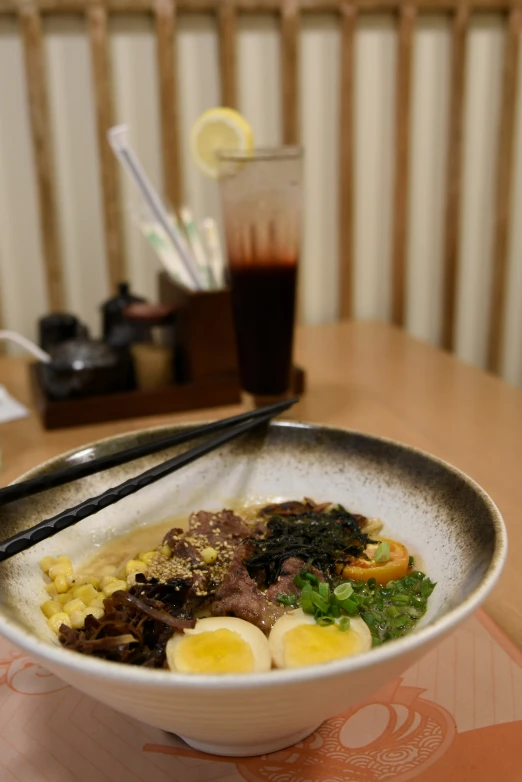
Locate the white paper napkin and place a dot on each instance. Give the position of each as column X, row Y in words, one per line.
column 10, row 408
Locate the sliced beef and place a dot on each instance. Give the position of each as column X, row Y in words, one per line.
column 285, row 583
column 219, row 526
column 239, row 595
column 294, row 508
column 221, row 531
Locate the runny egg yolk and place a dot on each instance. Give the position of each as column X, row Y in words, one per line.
column 218, row 651
column 313, row 644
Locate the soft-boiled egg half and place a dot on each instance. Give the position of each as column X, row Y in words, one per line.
column 221, row 644
column 297, row 640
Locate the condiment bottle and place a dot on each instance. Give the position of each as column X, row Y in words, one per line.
column 113, row 317
column 58, row 327
column 153, row 357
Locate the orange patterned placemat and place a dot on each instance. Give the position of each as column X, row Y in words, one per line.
column 457, row 715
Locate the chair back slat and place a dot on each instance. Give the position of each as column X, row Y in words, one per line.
column 289, row 12
column 289, row 70
column 36, row 78
column 165, row 20
column 402, row 156
column 227, row 26
column 346, row 159
column 454, row 184
column 504, row 189
column 101, row 79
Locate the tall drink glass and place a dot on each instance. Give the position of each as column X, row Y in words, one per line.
column 261, row 197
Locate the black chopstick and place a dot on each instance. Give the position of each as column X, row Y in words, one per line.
column 51, row 480
column 48, row 527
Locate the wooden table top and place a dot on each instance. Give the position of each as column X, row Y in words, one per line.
column 365, row 376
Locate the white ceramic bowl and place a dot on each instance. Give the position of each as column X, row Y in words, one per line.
column 437, row 511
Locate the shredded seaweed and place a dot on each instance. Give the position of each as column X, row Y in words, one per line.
column 321, row 535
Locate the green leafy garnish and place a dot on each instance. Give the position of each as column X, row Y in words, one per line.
column 390, row 611
column 382, row 552
column 287, row 600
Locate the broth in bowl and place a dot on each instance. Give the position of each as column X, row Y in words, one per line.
column 284, row 585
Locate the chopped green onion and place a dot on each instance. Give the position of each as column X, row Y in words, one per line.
column 299, row 581
column 400, row 599
column 400, row 621
column 307, row 605
column 287, row 600
column 325, row 621
column 343, row 591
column 344, row 624
column 350, row 606
column 427, row 587
column 311, row 578
column 382, row 552
column 318, row 602
column 411, row 563
column 324, row 590
column 334, row 610
column 418, row 575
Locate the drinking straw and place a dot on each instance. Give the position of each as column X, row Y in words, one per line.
column 214, row 252
column 117, row 136
column 196, row 244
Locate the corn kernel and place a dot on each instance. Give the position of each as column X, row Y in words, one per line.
column 51, row 590
column 147, row 556
column 166, row 550
column 107, row 580
column 114, row 586
column 77, row 619
column 94, row 611
column 82, row 579
column 57, row 620
column 108, row 570
column 46, row 563
column 134, row 566
column 64, row 598
column 50, row 607
column 60, row 569
column 73, row 605
column 209, row 555
column 61, row 584
column 85, row 592
column 98, row 603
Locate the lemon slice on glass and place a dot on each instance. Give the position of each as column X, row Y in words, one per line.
column 219, row 129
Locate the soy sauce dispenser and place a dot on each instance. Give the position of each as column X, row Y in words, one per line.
column 113, row 320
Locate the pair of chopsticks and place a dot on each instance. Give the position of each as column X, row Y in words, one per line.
column 228, row 429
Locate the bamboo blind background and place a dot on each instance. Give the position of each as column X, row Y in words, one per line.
column 408, row 113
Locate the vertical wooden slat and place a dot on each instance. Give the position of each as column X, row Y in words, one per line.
column 346, row 158
column 98, row 36
column 165, row 15
column 31, row 29
column 504, row 189
column 290, row 65
column 227, row 27
column 402, row 156
column 456, row 132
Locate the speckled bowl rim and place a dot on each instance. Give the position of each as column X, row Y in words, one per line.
column 103, row 669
